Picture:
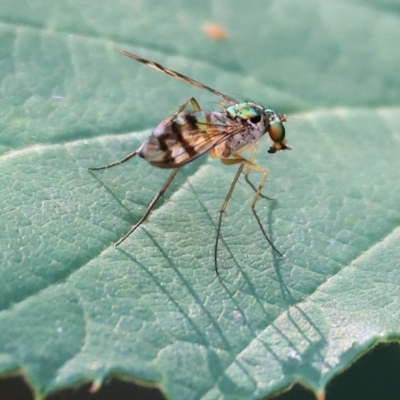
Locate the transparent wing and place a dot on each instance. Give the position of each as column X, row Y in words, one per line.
column 191, row 144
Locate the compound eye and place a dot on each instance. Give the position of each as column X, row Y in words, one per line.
column 276, row 131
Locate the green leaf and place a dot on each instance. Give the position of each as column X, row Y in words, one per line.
column 74, row 308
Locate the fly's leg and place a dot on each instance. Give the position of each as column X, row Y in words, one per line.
column 247, row 172
column 192, row 101
column 196, row 108
column 150, row 206
column 225, row 204
column 250, row 165
column 128, row 157
column 243, row 163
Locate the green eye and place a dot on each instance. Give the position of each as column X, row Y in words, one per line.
column 276, row 131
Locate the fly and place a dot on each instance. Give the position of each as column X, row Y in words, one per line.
column 186, row 135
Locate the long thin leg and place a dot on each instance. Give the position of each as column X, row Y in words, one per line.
column 255, row 167
column 150, row 206
column 177, row 75
column 247, row 172
column 128, row 157
column 243, row 162
column 223, row 208
column 193, row 102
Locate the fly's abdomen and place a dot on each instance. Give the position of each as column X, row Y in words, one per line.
column 176, row 142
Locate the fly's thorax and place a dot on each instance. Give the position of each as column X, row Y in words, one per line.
column 246, row 111
column 251, row 115
column 251, row 123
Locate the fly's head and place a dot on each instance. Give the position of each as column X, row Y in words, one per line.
column 261, row 120
column 276, row 130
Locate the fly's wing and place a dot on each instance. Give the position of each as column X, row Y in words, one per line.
column 179, row 143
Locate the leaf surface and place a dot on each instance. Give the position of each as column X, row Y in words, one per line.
column 74, row 308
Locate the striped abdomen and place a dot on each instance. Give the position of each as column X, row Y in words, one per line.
column 186, row 137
